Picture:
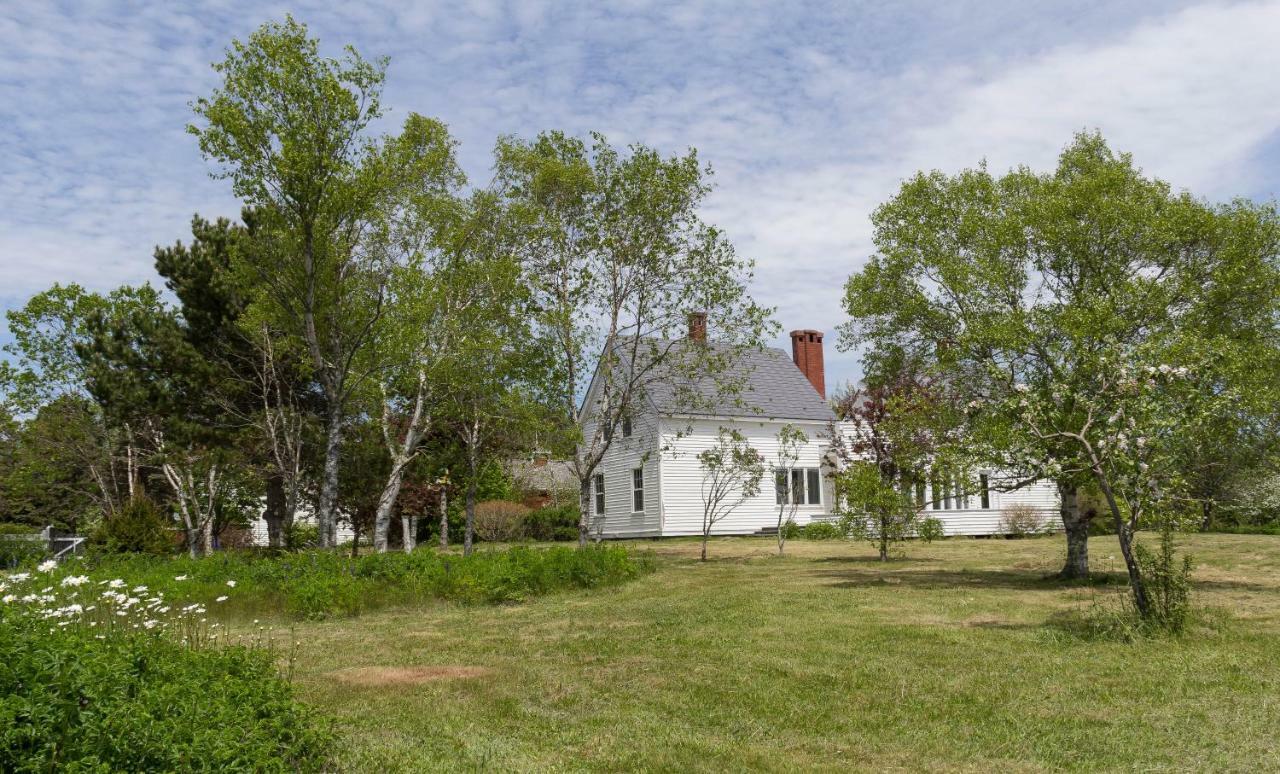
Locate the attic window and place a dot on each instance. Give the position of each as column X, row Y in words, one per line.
column 626, row 427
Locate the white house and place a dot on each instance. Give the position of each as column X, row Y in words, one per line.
column 649, row 482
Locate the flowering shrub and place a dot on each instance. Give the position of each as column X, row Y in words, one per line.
column 115, row 676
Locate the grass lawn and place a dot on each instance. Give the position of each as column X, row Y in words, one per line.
column 956, row 658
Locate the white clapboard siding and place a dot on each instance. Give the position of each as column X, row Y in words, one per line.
column 624, row 455
column 976, row 520
column 682, row 504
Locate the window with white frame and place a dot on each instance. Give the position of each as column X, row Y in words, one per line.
column 803, row 488
column 599, row 493
column 637, row 490
column 984, row 485
column 626, row 427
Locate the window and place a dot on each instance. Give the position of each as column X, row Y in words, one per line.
column 637, row 490
column 935, row 494
column 946, row 493
column 962, row 494
column 626, row 427
column 804, row 487
column 920, row 494
column 986, row 490
column 599, row 483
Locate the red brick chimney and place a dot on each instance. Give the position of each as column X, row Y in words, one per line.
column 698, row 326
column 806, row 350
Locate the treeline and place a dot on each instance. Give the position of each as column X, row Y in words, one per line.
column 375, row 335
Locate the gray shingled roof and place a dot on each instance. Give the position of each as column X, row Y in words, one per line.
column 772, row 388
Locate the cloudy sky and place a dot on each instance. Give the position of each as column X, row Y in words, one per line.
column 810, row 113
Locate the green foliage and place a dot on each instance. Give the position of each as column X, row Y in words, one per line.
column 1167, row 581
column 137, row 528
column 731, row 473
column 930, row 529
column 821, row 530
column 552, row 523
column 1069, row 314
column 322, row 584
column 20, row 544
column 300, row 536
column 790, row 529
column 143, row 702
column 873, row 509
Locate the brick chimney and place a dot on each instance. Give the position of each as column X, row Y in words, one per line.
column 698, row 326
column 806, row 350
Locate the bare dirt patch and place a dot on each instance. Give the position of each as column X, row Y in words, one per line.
column 378, row 677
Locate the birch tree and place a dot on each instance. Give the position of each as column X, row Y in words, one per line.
column 618, row 258
column 290, row 129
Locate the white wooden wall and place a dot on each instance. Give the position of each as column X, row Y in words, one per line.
column 640, row 450
column 682, row 475
column 667, row 448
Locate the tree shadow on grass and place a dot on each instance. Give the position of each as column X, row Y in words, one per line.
column 1019, row 580
column 873, row 574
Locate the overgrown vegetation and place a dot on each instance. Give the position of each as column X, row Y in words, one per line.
column 116, row 677
column 323, row 584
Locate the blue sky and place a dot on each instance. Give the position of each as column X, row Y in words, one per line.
column 810, row 113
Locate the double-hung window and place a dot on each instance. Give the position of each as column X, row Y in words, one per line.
column 637, row 490
column 599, row 493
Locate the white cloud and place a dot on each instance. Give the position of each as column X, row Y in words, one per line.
column 810, row 114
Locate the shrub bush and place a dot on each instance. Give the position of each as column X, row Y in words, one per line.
column 931, row 529
column 499, row 520
column 821, row 530
column 300, row 535
column 137, row 528
column 1021, row 521
column 790, row 530
column 129, row 693
column 552, row 523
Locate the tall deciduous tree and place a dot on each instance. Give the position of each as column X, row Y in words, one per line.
column 290, row 129
column 1047, row 299
column 47, row 374
column 618, row 258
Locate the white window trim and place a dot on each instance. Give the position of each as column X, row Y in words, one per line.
column 788, row 493
column 598, row 498
column 637, row 489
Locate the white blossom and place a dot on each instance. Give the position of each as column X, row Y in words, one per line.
column 222, row 598
column 231, row 584
column 47, row 566
column 75, row 580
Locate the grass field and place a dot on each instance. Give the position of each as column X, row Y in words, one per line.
column 957, row 658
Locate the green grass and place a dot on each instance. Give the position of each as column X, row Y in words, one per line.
column 960, row 657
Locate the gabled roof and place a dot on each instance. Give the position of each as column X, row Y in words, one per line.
column 772, row 387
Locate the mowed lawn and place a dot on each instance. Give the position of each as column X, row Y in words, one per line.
column 959, row 657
